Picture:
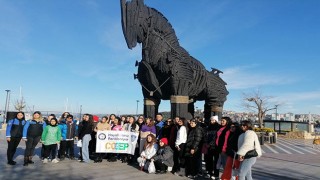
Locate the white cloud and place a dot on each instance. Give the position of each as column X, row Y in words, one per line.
column 244, row 77
column 301, row 96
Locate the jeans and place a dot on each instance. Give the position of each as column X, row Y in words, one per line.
column 85, row 147
column 245, row 168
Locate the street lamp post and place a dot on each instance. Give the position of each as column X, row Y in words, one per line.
column 137, row 107
column 6, row 108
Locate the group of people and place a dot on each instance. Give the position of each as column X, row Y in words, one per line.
column 51, row 132
column 175, row 145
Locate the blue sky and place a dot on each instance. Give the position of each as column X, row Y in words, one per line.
column 72, row 53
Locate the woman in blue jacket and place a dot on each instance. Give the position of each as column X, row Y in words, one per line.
column 14, row 135
column 32, row 132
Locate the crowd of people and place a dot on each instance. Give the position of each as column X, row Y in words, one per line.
column 174, row 145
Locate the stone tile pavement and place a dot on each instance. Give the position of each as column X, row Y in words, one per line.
column 271, row 166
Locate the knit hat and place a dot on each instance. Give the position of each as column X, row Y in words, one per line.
column 164, row 140
column 215, row 118
column 95, row 118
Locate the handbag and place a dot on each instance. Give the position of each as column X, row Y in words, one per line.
column 251, row 153
column 151, row 168
column 79, row 143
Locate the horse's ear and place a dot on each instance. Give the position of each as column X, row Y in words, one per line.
column 135, row 76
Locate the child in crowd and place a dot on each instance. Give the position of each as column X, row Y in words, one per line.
column 51, row 136
column 68, row 132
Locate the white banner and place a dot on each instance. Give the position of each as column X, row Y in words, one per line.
column 116, row 142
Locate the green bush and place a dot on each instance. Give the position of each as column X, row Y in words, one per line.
column 267, row 130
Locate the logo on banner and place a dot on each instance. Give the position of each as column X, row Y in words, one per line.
column 102, row 136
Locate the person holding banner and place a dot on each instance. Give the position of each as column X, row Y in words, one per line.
column 130, row 126
column 116, row 126
column 112, row 117
column 149, row 150
column 103, row 125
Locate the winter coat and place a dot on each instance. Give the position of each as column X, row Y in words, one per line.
column 85, row 128
column 159, row 129
column 232, row 144
column 210, row 138
column 165, row 155
column 132, row 128
column 193, row 141
column 33, row 129
column 149, row 152
column 221, row 139
column 51, row 135
column 15, row 128
column 181, row 136
column 103, row 126
column 248, row 141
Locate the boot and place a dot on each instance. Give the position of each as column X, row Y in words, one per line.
column 30, row 160
column 25, row 161
column 97, row 160
column 182, row 172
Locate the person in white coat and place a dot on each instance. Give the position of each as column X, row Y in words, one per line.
column 247, row 141
column 149, row 150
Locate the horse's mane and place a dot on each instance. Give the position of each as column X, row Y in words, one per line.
column 161, row 26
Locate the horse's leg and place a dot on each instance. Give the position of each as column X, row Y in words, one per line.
column 191, row 109
column 179, row 98
column 179, row 106
column 212, row 109
column 151, row 107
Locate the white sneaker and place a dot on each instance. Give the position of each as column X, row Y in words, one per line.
column 45, row 161
column 55, row 161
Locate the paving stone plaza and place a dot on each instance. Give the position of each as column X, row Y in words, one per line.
column 287, row 159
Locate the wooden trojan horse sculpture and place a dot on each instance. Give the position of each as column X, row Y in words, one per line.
column 166, row 70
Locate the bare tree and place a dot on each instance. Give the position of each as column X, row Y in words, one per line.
column 255, row 101
column 20, row 104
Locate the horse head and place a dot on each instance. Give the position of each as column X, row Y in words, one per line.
column 133, row 19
